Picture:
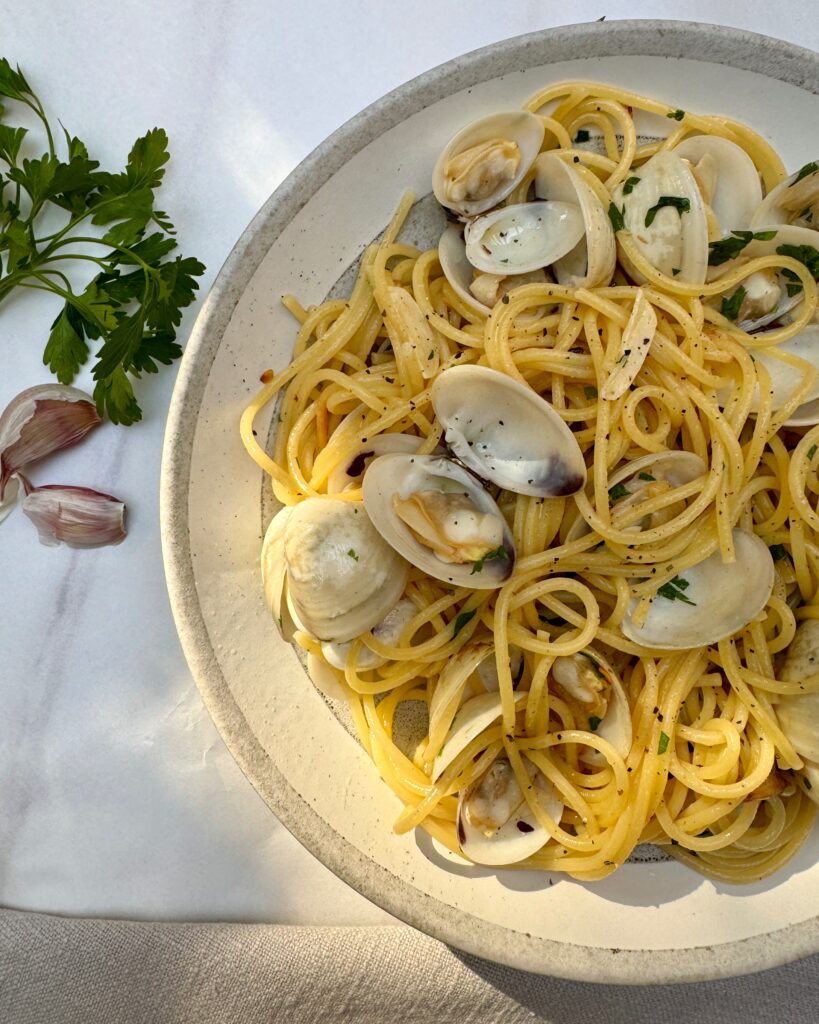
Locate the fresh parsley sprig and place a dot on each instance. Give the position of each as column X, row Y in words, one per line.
column 133, row 304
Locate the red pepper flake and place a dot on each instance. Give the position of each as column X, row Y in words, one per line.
column 267, row 376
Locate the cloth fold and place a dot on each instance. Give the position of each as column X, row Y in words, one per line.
column 56, row 970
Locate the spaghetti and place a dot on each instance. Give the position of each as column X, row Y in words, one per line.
column 710, row 773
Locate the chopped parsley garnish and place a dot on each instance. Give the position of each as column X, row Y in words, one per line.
column 729, row 248
column 628, row 185
column 462, row 619
column 662, row 746
column 673, row 590
column 705, row 833
column 500, row 552
column 618, row 491
column 352, row 554
column 730, row 306
column 675, row 271
column 590, row 392
column 582, row 136
column 676, row 115
column 806, row 254
column 811, row 452
column 645, row 476
column 594, row 721
column 778, row 552
column 431, row 354
column 679, row 203
column 805, row 171
column 616, row 217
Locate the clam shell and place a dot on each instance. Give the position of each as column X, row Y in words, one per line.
column 770, row 211
column 506, row 433
column 403, row 475
column 727, row 597
column 590, row 263
column 673, row 241
column 342, row 576
column 523, row 237
column 473, row 717
column 518, row 125
column 798, row 714
column 738, row 190
column 352, row 472
column 387, row 631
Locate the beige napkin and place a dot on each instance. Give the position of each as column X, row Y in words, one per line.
column 56, row 970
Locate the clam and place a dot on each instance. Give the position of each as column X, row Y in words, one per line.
column 591, row 262
column 798, row 713
column 664, row 211
column 349, row 475
column 472, row 718
column 325, row 678
column 506, row 433
column 523, row 237
column 768, row 296
column 478, row 290
column 496, row 826
column 786, row 378
column 440, row 518
column 592, row 684
column 793, row 201
column 485, row 161
column 708, row 602
column 388, row 631
column 630, row 484
column 728, row 179
column 274, row 567
column 341, row 577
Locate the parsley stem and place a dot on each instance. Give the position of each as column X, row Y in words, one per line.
column 91, row 240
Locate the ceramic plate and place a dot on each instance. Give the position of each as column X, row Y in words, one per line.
column 652, row 921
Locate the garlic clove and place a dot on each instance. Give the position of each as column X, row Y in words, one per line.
column 76, row 516
column 9, row 499
column 39, row 421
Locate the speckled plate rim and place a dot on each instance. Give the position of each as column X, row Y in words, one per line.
column 709, row 43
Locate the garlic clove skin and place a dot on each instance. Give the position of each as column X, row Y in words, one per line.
column 41, row 420
column 9, row 499
column 76, row 516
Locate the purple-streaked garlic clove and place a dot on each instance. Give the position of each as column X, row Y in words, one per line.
column 76, row 516
column 39, row 421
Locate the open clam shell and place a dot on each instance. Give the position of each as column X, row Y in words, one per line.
column 590, row 680
column 798, row 713
column 794, row 201
column 486, row 160
column 351, row 473
column 523, row 237
column 666, row 216
column 719, row 599
column 387, row 631
column 342, row 577
column 460, row 273
column 472, row 718
column 496, row 826
column 786, row 378
column 590, row 263
column 506, row 433
column 400, row 478
column 734, row 189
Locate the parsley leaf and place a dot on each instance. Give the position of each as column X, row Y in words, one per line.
column 645, row 476
column 594, row 722
column 730, row 306
column 616, row 217
column 805, row 171
column 806, row 254
column 590, row 392
column 462, row 619
column 778, row 552
column 676, row 115
column 673, row 590
column 500, row 552
column 618, row 491
column 729, row 248
column 352, row 554
column 628, row 185
column 680, row 204
column 811, row 452
column 662, row 746
column 133, row 305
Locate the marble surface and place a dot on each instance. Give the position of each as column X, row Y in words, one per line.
column 119, row 797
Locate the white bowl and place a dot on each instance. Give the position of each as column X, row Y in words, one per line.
column 650, row 922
